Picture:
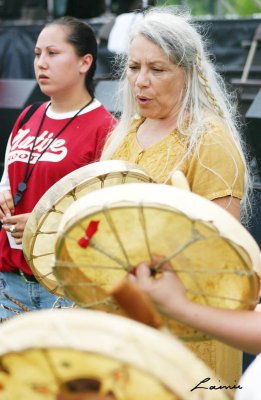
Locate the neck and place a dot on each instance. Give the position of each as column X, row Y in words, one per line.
column 66, row 104
column 167, row 123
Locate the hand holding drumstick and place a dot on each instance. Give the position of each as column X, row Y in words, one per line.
column 169, row 294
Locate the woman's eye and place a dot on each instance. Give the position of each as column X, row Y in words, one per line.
column 157, row 70
column 133, row 67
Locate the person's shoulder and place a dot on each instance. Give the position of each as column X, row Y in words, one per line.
column 104, row 116
column 101, row 118
column 22, row 116
column 214, row 128
column 97, row 110
column 103, row 110
column 214, row 121
column 218, row 139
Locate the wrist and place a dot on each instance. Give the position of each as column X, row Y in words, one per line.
column 178, row 307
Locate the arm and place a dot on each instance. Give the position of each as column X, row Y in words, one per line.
column 5, row 183
column 230, row 204
column 6, row 199
column 7, row 208
column 216, row 170
column 240, row 329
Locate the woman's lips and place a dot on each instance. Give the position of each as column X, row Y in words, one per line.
column 143, row 100
column 42, row 78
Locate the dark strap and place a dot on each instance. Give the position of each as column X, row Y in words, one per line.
column 30, row 112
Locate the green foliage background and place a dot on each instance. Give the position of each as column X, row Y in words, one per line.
column 203, row 7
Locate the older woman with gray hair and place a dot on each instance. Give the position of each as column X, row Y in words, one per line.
column 177, row 113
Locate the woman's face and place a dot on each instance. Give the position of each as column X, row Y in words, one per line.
column 58, row 69
column 157, row 83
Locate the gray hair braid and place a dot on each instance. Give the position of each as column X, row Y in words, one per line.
column 206, row 88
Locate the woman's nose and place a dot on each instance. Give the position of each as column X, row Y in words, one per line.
column 40, row 61
column 142, row 78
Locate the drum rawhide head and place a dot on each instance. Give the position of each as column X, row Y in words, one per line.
column 41, row 228
column 79, row 354
column 106, row 233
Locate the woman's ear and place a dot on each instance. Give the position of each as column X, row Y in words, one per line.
column 86, row 62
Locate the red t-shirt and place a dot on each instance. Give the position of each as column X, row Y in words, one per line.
column 79, row 144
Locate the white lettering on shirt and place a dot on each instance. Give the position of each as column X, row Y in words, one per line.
column 22, row 144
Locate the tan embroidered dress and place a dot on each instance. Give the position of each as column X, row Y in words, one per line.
column 215, row 168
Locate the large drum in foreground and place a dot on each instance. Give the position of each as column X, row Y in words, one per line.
column 79, row 354
column 40, row 231
column 215, row 257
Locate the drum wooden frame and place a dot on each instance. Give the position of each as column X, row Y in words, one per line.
column 41, row 228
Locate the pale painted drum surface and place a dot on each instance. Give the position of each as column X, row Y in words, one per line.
column 40, row 231
column 41, row 351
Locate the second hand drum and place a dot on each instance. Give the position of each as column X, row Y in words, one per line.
column 105, row 234
column 41, row 228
